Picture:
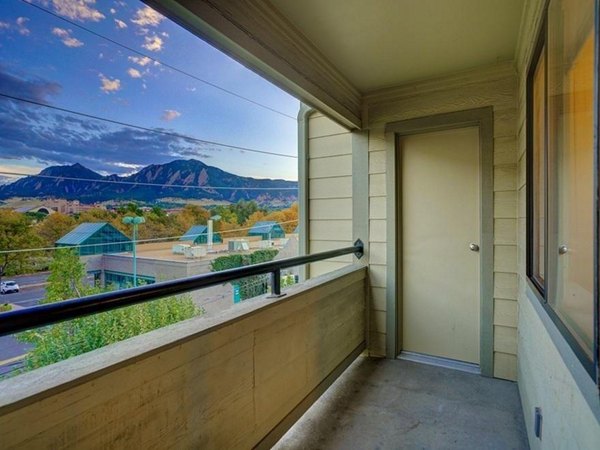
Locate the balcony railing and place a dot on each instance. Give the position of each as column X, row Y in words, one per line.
column 237, row 380
column 42, row 315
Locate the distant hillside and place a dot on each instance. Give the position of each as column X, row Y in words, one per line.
column 190, row 174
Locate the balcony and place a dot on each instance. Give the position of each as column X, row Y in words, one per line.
column 242, row 379
column 381, row 403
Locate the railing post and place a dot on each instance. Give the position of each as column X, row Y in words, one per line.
column 276, row 284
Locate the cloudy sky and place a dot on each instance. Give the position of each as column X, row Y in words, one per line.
column 47, row 59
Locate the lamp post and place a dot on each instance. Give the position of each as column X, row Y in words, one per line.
column 135, row 221
column 210, row 231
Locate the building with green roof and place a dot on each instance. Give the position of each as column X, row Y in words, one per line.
column 198, row 234
column 96, row 239
column 267, row 230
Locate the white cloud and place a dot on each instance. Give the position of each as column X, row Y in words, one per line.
column 4, row 25
column 134, row 73
column 109, row 85
column 66, row 38
column 170, row 114
column 113, row 11
column 141, row 60
column 147, row 16
column 22, row 24
column 153, row 43
column 81, row 10
column 120, row 24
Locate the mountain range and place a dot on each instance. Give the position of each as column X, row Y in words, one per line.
column 185, row 177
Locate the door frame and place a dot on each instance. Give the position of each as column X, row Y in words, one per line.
column 483, row 118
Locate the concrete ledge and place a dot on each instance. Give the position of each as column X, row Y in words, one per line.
column 238, row 375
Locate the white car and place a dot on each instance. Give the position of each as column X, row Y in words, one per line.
column 6, row 287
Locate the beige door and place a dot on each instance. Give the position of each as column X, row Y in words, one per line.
column 439, row 220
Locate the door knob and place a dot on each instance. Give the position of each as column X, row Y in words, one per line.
column 473, row 247
column 563, row 249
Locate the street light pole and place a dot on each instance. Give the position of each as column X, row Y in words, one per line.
column 135, row 221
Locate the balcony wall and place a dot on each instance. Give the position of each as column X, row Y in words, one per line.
column 235, row 381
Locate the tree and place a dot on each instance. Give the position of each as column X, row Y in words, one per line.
column 193, row 215
column 74, row 337
column 130, row 209
column 16, row 233
column 53, row 227
column 288, row 218
column 66, row 279
column 257, row 216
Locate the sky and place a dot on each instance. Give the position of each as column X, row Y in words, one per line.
column 47, row 56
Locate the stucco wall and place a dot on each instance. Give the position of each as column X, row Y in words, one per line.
column 549, row 374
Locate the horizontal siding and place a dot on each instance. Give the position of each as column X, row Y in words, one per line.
column 505, row 204
column 321, row 126
column 335, row 230
column 493, row 86
column 336, row 209
column 340, row 187
column 505, row 312
column 328, row 146
column 331, row 167
column 329, row 154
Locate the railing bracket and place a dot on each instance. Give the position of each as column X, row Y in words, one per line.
column 361, row 251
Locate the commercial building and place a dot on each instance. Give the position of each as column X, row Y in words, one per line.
column 95, row 238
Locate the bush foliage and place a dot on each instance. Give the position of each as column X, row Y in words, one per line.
column 250, row 286
column 74, row 337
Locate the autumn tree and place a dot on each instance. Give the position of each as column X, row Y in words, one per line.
column 257, row 216
column 53, row 227
column 16, row 233
column 192, row 215
column 288, row 218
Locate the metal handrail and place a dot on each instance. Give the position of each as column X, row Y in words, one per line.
column 47, row 314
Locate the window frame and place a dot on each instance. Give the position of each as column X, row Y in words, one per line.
column 591, row 365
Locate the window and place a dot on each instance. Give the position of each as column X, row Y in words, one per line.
column 560, row 254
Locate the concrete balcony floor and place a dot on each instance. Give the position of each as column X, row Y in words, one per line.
column 388, row 404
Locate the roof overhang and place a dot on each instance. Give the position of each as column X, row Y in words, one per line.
column 331, row 53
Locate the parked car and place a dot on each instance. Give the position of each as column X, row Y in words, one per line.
column 6, row 287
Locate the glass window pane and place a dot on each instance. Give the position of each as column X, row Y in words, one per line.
column 571, row 134
column 539, row 168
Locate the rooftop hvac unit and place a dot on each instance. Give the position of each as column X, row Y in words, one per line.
column 195, row 252
column 266, row 244
column 238, row 245
column 179, row 249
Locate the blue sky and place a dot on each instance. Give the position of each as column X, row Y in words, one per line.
column 49, row 60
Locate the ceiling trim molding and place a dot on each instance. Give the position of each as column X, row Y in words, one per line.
column 488, row 73
column 256, row 34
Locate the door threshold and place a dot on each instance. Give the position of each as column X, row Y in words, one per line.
column 440, row 362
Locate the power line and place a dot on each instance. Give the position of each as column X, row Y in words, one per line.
column 135, row 183
column 137, row 52
column 139, row 127
column 138, row 241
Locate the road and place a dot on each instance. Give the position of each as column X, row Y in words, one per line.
column 32, row 291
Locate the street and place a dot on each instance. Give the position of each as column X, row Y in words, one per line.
column 32, row 290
